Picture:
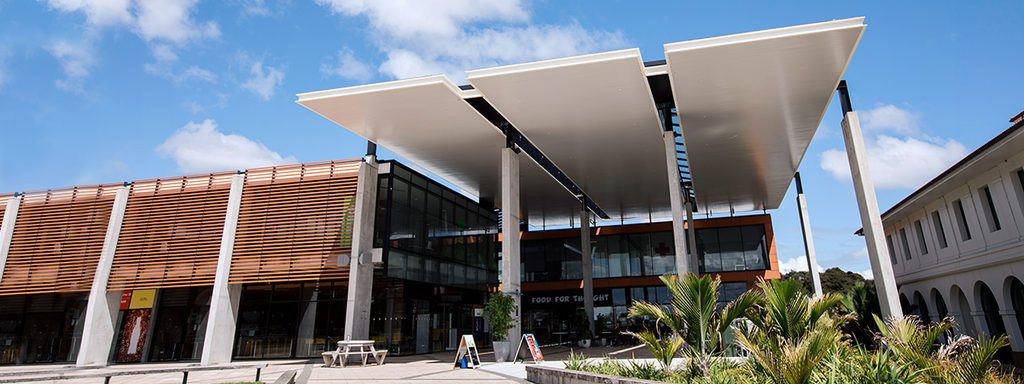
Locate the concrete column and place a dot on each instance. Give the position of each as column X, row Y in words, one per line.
column 676, row 199
column 871, row 220
column 7, row 229
column 691, row 240
column 220, row 324
column 1013, row 330
column 588, row 268
column 101, row 310
column 510, row 279
column 805, row 228
column 360, row 272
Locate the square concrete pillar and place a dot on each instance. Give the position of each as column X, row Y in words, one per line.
column 871, row 220
column 679, row 205
column 510, row 278
column 101, row 309
column 7, row 229
column 587, row 263
column 220, row 324
column 360, row 273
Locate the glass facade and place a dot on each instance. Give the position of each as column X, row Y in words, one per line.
column 732, row 249
column 431, row 234
column 180, row 324
column 410, row 317
column 290, row 319
column 42, row 328
column 726, row 249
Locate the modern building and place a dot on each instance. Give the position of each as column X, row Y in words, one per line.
column 570, row 184
column 957, row 243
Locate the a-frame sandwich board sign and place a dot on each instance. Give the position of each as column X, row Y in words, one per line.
column 531, row 344
column 467, row 348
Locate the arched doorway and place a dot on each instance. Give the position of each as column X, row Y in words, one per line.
column 990, row 307
column 963, row 308
column 940, row 304
column 921, row 308
column 905, row 305
column 1016, row 293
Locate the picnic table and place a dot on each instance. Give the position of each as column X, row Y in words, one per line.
column 360, row 348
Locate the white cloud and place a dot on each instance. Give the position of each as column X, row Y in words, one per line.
column 868, row 275
column 98, row 13
column 165, row 66
column 431, row 37
column 263, row 81
column 898, row 162
column 76, row 61
column 158, row 22
column 167, row 20
column 171, row 20
column 798, row 263
column 346, row 65
column 201, row 147
column 889, row 117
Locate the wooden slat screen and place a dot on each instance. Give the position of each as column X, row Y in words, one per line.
column 171, row 232
column 294, row 222
column 57, row 240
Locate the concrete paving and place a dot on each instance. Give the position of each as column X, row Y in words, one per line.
column 429, row 368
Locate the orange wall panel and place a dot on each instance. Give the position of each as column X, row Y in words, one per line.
column 171, row 232
column 57, row 240
column 294, row 223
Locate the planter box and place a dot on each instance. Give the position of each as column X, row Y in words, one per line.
column 540, row 374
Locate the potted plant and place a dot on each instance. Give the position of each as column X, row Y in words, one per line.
column 498, row 312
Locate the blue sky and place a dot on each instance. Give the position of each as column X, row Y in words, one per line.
column 105, row 91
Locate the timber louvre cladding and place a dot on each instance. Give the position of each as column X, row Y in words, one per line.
column 57, row 240
column 171, row 233
column 294, row 222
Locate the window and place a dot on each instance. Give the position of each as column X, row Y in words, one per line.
column 940, row 232
column 920, row 237
column 892, row 250
column 729, row 291
column 905, row 243
column 961, row 220
column 732, row 249
column 1020, row 187
column 990, row 209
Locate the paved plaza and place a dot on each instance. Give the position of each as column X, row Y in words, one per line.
column 430, row 368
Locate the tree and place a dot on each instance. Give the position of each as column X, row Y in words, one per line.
column 790, row 332
column 692, row 318
column 833, row 280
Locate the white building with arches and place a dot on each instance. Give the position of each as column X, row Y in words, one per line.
column 957, row 243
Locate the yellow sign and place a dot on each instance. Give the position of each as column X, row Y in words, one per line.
column 142, row 299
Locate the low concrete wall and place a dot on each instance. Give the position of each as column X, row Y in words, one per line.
column 548, row 375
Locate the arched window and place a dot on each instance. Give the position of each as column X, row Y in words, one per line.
column 940, row 304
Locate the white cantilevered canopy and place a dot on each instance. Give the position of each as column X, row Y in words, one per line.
column 748, row 105
column 595, row 118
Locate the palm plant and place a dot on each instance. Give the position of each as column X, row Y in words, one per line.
column 790, row 333
column 696, row 326
column 960, row 360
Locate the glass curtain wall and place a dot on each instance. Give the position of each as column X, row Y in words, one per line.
column 42, row 328
column 434, row 235
column 180, row 324
column 409, row 317
column 642, row 254
column 283, row 320
column 732, row 249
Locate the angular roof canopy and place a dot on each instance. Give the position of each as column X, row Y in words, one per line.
column 748, row 107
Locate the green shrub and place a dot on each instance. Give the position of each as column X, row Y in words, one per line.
column 498, row 312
